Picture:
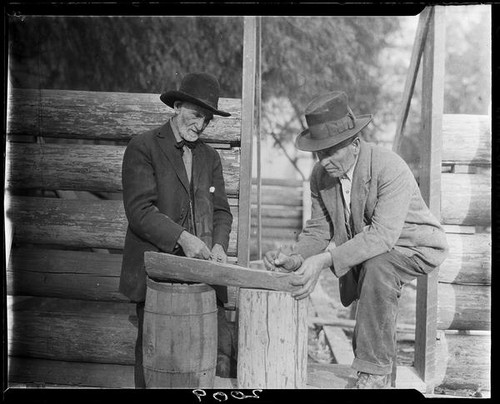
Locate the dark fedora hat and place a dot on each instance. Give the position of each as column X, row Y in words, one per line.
column 330, row 121
column 197, row 88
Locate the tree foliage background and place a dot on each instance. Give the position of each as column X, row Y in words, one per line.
column 301, row 57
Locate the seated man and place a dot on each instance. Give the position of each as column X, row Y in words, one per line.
column 368, row 210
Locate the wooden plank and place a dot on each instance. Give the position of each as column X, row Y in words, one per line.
column 281, row 182
column 8, row 229
column 163, row 266
column 473, row 207
column 464, row 307
column 79, row 223
column 460, row 307
column 466, row 139
column 278, row 195
column 74, row 374
column 73, row 330
column 247, row 132
column 469, row 169
column 87, row 167
column 258, row 110
column 65, row 274
column 67, row 222
column 104, row 115
column 335, row 376
column 279, row 233
column 324, row 307
column 272, row 340
column 411, row 78
column 463, row 361
column 469, row 260
column 293, row 223
column 349, row 323
column 430, row 186
column 292, row 213
column 456, row 229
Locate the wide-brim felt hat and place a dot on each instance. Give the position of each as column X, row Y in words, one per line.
column 330, row 121
column 197, row 88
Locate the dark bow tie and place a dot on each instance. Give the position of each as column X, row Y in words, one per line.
column 183, row 143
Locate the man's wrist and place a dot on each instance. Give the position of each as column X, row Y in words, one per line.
column 297, row 261
column 181, row 237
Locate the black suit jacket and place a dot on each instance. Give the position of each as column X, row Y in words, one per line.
column 156, row 198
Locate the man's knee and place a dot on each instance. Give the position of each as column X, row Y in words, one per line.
column 378, row 267
column 378, row 275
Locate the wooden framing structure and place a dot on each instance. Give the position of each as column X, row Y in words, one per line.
column 442, row 136
column 64, row 300
column 65, row 151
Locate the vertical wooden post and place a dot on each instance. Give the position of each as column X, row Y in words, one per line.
column 430, row 186
column 247, row 130
column 258, row 96
column 272, row 340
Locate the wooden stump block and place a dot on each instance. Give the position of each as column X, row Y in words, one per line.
column 272, row 341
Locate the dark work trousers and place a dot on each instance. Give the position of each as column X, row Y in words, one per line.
column 226, row 346
column 380, row 283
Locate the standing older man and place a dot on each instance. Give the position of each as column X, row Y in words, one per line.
column 175, row 200
column 367, row 205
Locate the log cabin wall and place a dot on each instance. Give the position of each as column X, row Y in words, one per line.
column 464, row 288
column 67, row 323
column 282, row 214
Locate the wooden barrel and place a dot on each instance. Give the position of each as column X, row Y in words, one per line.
column 180, row 335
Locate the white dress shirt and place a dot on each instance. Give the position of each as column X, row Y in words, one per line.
column 346, row 185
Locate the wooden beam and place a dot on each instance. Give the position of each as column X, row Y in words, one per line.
column 348, row 323
column 466, row 139
column 73, row 330
column 87, row 167
column 279, row 182
column 416, row 55
column 74, row 374
column 430, row 185
column 335, row 376
column 167, row 267
column 464, row 307
column 281, row 196
column 339, row 343
column 78, row 223
column 464, row 360
column 473, row 208
column 469, row 260
column 258, row 96
column 247, row 131
column 104, row 115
